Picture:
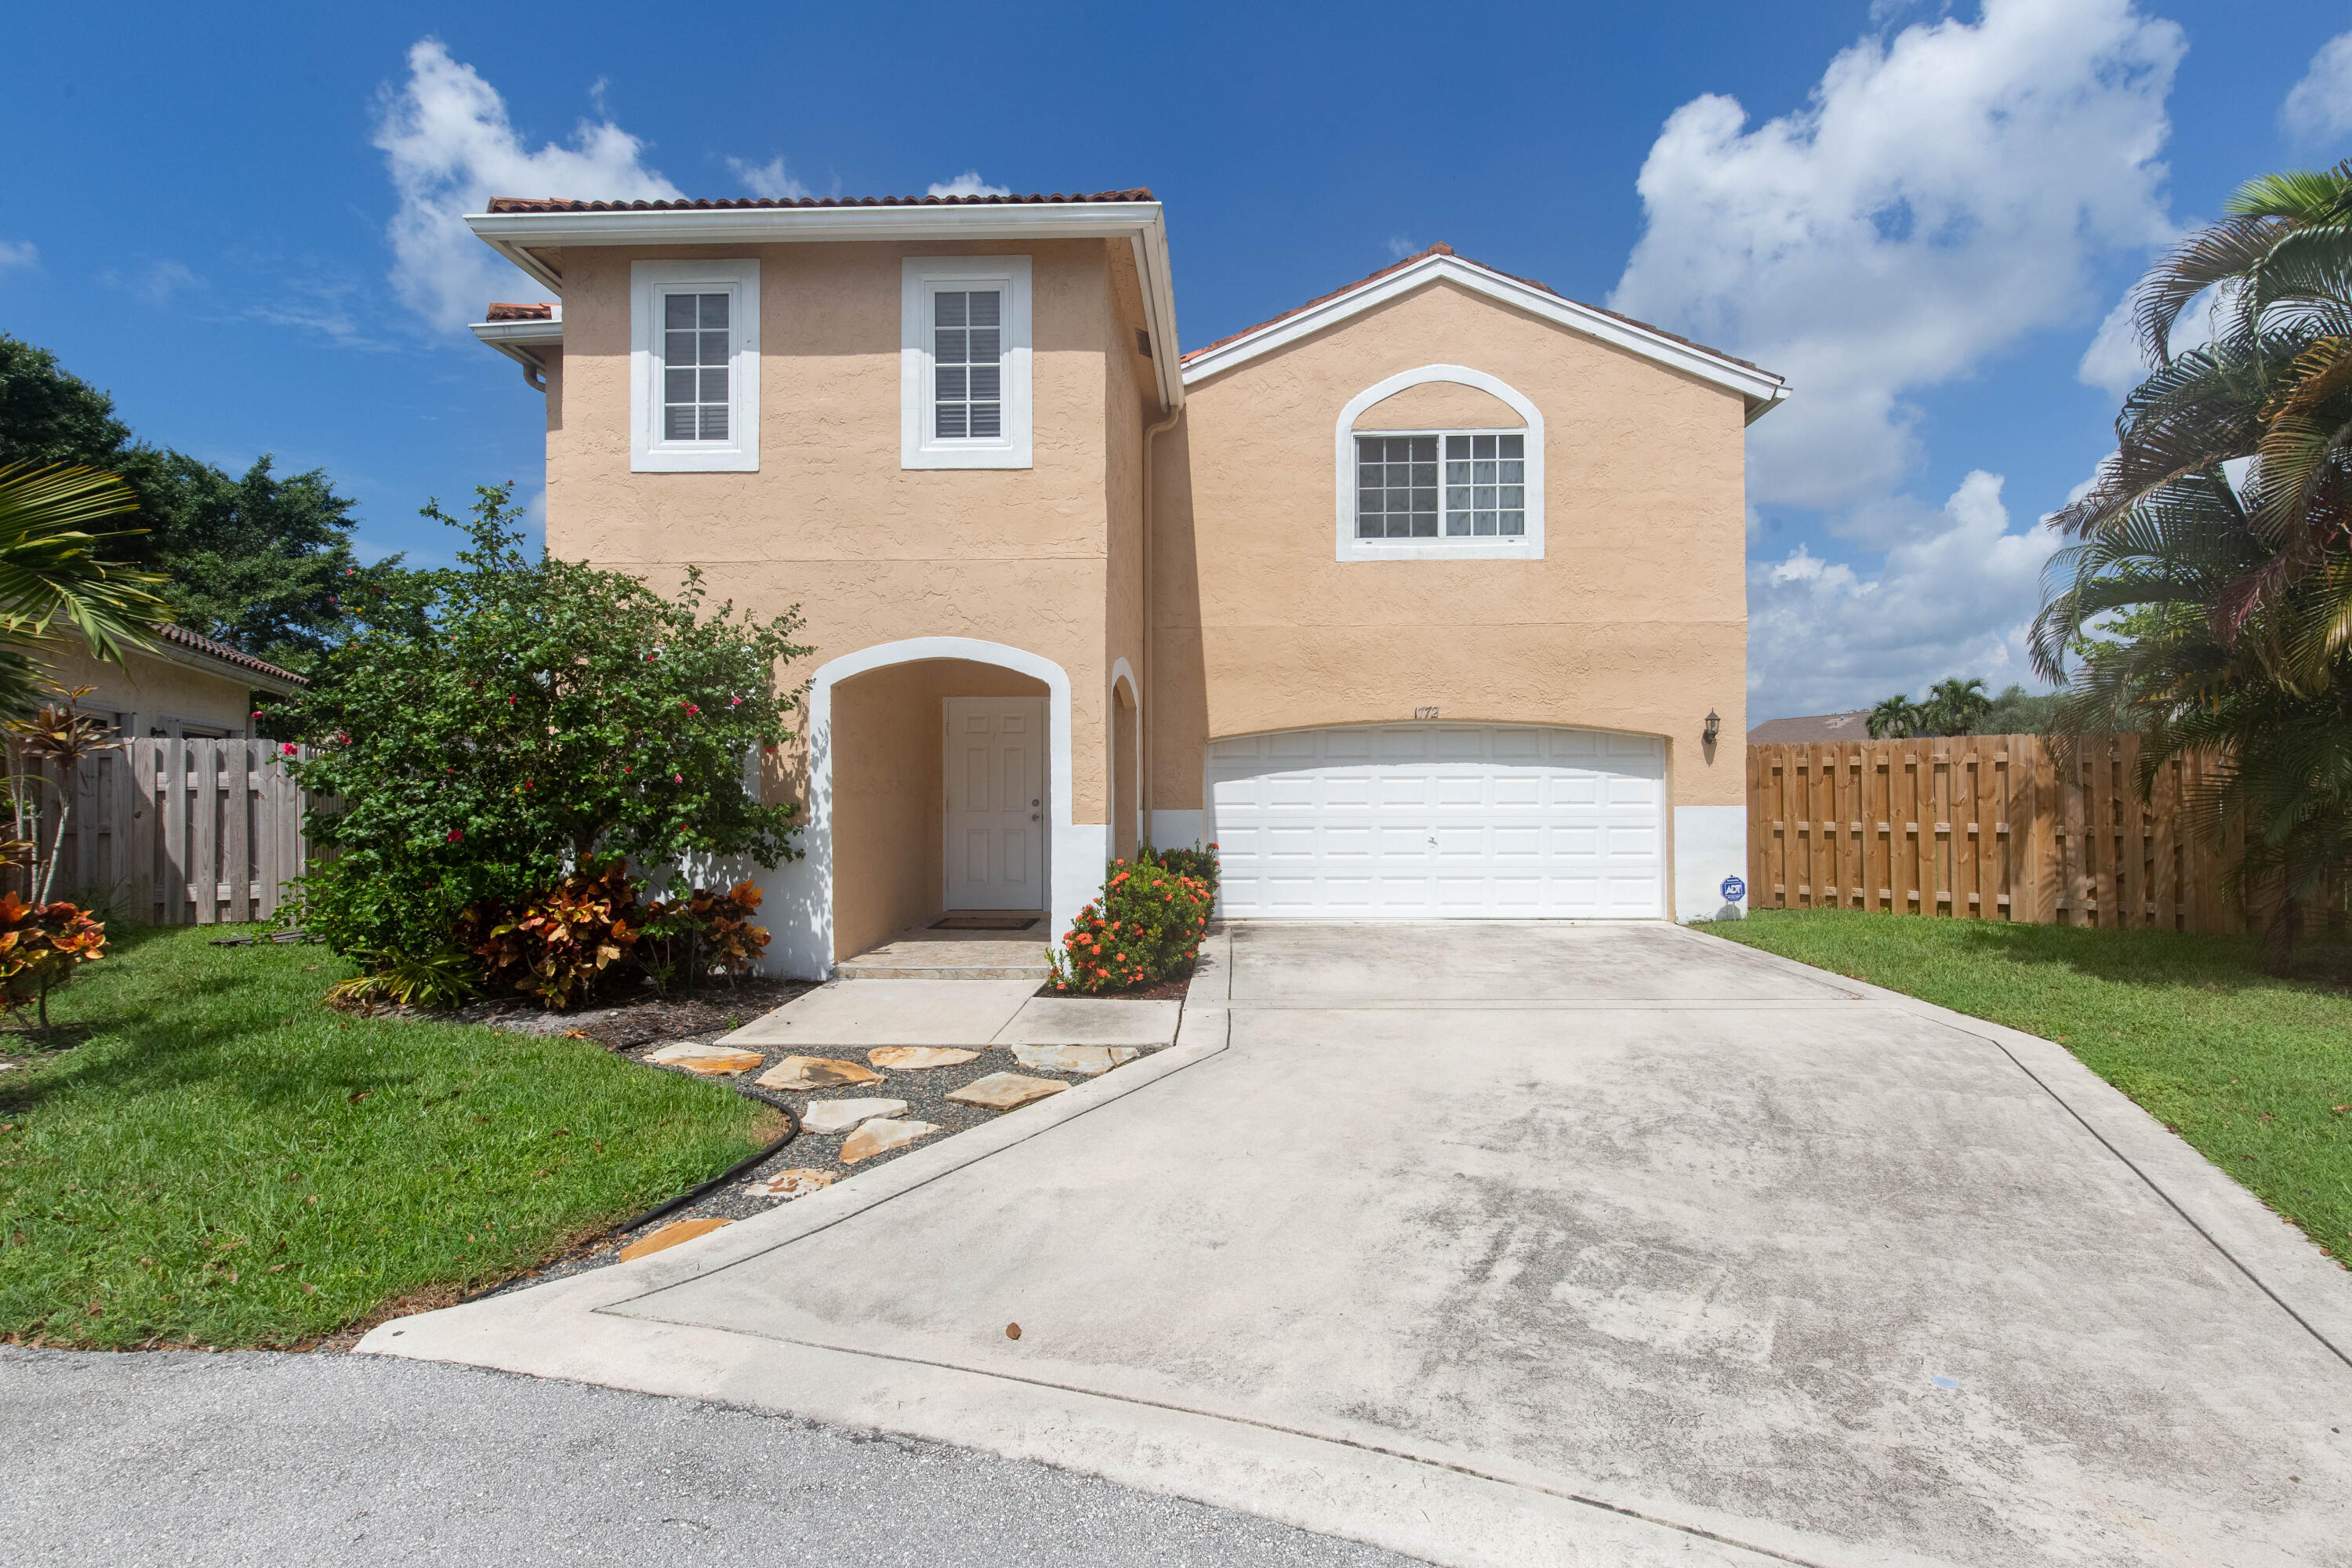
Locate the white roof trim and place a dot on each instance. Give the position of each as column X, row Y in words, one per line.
column 1761, row 389
column 522, row 341
column 1143, row 224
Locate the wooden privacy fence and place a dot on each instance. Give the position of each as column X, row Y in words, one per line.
column 1984, row 826
column 174, row 832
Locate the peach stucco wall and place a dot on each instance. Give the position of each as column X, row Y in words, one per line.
column 1439, row 405
column 888, row 800
column 872, row 554
column 1635, row 620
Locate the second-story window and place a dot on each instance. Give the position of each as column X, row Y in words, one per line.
column 1476, row 489
column 967, row 363
column 694, row 366
column 694, row 355
column 964, row 376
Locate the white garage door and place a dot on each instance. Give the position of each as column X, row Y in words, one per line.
column 1439, row 820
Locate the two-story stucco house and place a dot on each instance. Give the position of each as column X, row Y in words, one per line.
column 1422, row 600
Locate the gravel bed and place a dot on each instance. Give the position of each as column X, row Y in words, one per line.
column 925, row 1091
column 624, row 1023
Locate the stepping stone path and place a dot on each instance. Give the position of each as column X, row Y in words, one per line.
column 1003, row 1091
column 914, row 1059
column 790, row 1183
column 880, row 1136
column 841, row 1115
column 710, row 1062
column 808, row 1073
column 1088, row 1059
column 669, row 1235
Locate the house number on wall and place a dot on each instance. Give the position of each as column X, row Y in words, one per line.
column 1424, row 713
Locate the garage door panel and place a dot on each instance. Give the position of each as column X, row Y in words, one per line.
column 1406, row 821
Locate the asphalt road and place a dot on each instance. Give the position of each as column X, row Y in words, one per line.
column 189, row 1459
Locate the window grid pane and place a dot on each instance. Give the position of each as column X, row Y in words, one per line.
column 1401, row 482
column 695, row 366
column 968, row 357
column 1485, row 486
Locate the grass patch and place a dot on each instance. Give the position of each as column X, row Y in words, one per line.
column 2254, row 1071
column 203, row 1154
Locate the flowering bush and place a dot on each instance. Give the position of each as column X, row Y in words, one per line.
column 40, row 945
column 1148, row 921
column 1197, row 863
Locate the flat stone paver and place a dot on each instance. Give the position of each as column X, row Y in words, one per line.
column 880, row 1136
column 863, row 1013
column 1090, row 1021
column 1088, row 1059
column 806, row 1074
column 1006, row 1091
column 827, row 1116
column 918, row 1059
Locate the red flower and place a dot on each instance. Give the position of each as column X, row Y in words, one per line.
column 455, row 836
column 256, row 712
column 689, row 708
column 290, row 748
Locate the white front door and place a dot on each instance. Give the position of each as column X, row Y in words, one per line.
column 995, row 796
column 1439, row 820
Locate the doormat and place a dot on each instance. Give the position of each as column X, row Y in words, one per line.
column 985, row 922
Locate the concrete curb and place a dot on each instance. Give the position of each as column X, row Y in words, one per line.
column 2284, row 1264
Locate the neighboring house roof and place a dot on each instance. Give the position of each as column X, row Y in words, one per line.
column 1853, row 726
column 1760, row 388
column 724, row 203
column 539, row 312
column 532, row 232
column 199, row 651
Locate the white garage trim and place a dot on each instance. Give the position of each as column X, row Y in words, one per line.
column 1438, row 822
column 798, row 907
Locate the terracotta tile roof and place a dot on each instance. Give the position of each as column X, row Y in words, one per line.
column 202, row 644
column 521, row 313
column 723, row 204
column 1443, row 250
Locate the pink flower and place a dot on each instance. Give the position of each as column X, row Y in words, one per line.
column 290, row 749
column 455, row 836
column 677, row 778
column 734, row 702
column 256, row 712
column 689, row 708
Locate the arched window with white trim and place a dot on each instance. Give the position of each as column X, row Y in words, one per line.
column 1466, row 490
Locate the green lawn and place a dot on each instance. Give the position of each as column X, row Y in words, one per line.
column 205, row 1155
column 2255, row 1071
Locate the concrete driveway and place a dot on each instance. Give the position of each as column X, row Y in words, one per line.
column 1509, row 1243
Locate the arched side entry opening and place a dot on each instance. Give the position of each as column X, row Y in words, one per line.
column 906, row 818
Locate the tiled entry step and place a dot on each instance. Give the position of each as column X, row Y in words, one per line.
column 929, row 952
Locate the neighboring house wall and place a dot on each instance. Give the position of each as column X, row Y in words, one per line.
column 153, row 694
column 1633, row 620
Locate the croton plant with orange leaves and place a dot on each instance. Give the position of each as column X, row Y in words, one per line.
column 40, row 945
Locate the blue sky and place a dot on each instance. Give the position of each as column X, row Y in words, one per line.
column 240, row 225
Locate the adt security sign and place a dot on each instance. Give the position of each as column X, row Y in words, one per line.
column 1733, row 890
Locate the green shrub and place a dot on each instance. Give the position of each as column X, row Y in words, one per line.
column 1148, row 921
column 433, row 981
column 484, row 730
column 706, row 933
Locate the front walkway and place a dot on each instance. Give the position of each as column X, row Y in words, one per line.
column 1496, row 1243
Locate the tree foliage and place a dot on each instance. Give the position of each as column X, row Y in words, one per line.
column 489, row 727
column 2206, row 600
column 1957, row 705
column 259, row 561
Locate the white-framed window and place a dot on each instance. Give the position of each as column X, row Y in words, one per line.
column 1451, row 494
column 964, row 384
column 1441, row 484
column 694, row 366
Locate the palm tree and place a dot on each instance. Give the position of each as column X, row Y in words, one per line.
column 51, row 575
column 2222, row 530
column 1957, row 705
column 1894, row 719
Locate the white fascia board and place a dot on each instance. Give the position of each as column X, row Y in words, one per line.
column 1143, row 224
column 520, row 341
column 1761, row 389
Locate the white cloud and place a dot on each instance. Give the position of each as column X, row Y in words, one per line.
column 968, row 184
column 1401, row 245
column 2319, row 106
column 1824, row 638
column 449, row 147
column 1944, row 194
column 155, row 283
column 769, row 180
column 18, row 253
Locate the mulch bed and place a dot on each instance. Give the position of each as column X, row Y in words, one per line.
column 623, row 1022
column 1168, row 990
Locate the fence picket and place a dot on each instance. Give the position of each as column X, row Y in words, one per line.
column 1990, row 826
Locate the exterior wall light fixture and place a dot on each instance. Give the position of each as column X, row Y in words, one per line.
column 1713, row 726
